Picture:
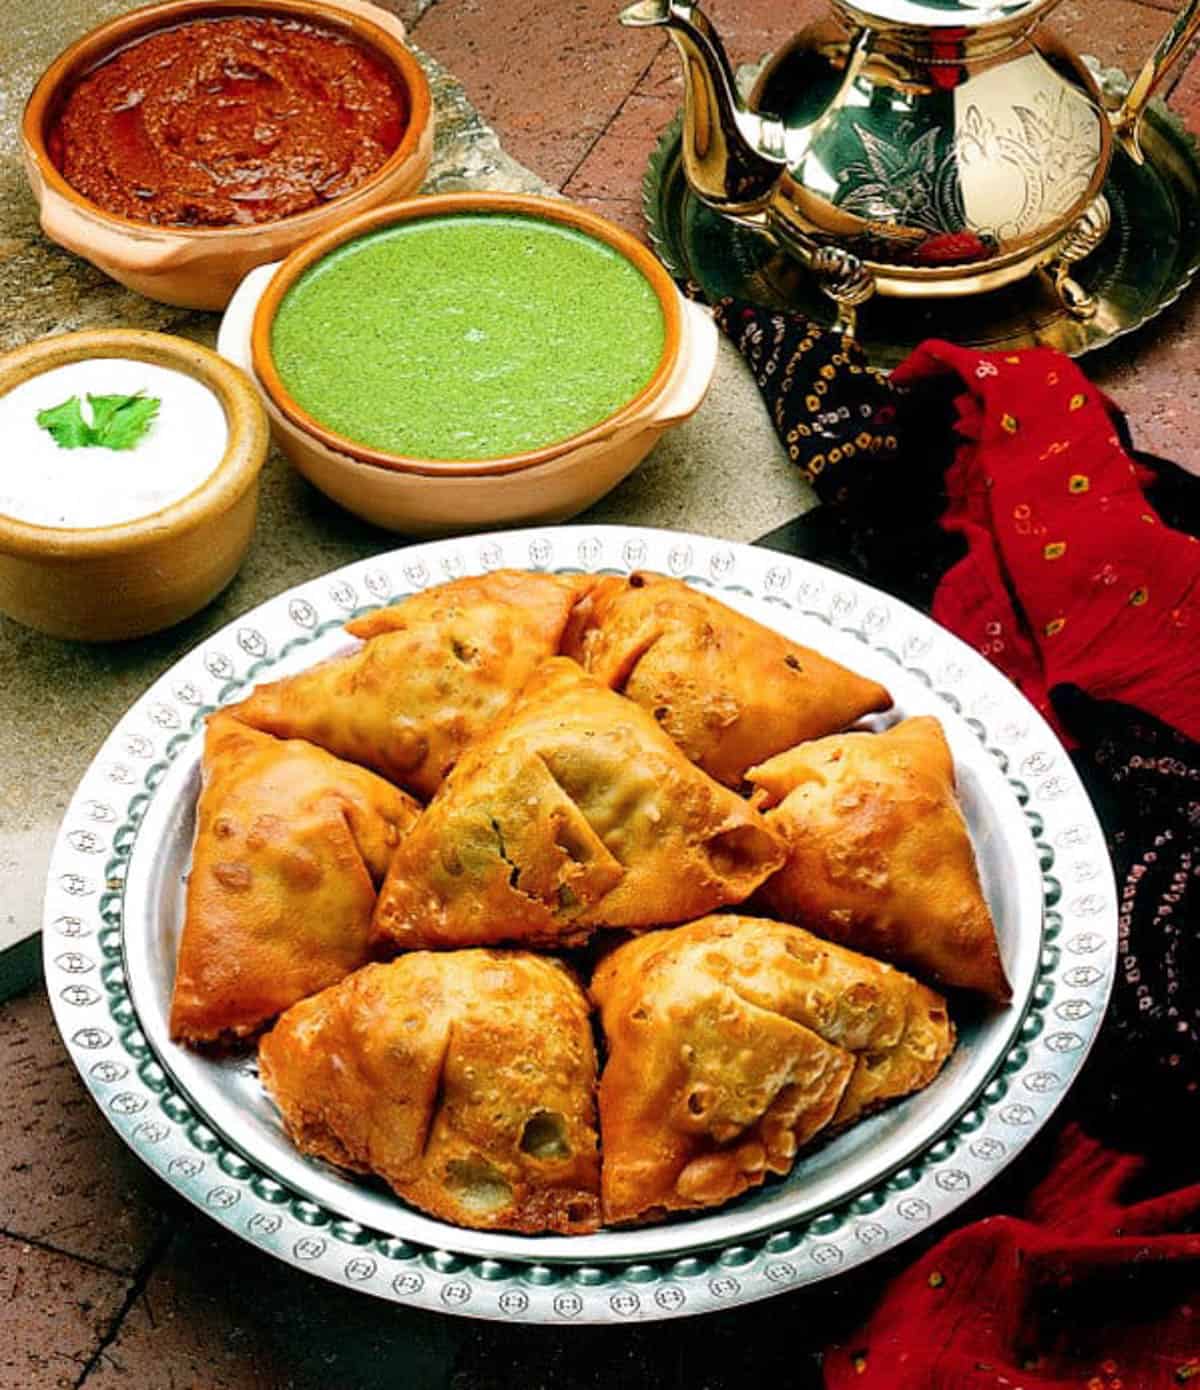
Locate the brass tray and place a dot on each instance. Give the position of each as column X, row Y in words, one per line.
column 1145, row 263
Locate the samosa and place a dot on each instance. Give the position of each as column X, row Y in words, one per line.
column 433, row 673
column 732, row 1043
column 728, row 690
column 465, row 1079
column 290, row 846
column 575, row 812
column 879, row 856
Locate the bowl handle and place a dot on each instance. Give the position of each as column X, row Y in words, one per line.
column 698, row 359
column 233, row 337
column 67, row 225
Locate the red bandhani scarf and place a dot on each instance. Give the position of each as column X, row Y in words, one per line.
column 1072, row 582
column 1061, row 584
column 1088, row 1288
column 1038, row 542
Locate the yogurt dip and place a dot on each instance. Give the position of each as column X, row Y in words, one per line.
column 44, row 484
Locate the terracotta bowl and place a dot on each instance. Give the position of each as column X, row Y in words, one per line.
column 431, row 497
column 108, row 582
column 199, row 268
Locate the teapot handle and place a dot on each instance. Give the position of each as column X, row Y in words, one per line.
column 1127, row 120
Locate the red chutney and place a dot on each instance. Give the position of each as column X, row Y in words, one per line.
column 228, row 121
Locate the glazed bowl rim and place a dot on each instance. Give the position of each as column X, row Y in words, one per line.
column 539, row 208
column 237, row 469
column 102, row 42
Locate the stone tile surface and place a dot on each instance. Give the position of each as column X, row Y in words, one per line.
column 550, row 74
column 1118, row 32
column 218, row 1314
column 1185, row 95
column 66, row 1179
column 54, row 1315
column 614, row 166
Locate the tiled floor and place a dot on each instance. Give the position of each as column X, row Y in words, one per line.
column 105, row 1280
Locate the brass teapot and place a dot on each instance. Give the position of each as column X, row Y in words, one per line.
column 914, row 148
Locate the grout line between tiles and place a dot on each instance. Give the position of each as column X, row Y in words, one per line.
column 50, row 1249
column 641, row 77
column 136, row 1288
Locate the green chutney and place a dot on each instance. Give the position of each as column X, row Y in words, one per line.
column 467, row 336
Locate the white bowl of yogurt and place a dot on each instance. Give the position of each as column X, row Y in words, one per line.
column 129, row 467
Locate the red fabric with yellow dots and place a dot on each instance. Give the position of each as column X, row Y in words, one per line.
column 1063, row 582
column 1074, row 586
column 1094, row 1286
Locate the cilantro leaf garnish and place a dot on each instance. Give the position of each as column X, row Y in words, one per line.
column 118, row 422
column 65, row 423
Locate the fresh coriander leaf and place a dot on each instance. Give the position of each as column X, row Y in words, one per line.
column 120, row 422
column 103, row 408
column 65, row 424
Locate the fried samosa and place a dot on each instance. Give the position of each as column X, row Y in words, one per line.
column 732, row 1042
column 879, row 857
column 290, row 846
column 729, row 691
column 575, row 812
column 434, row 672
column 465, row 1079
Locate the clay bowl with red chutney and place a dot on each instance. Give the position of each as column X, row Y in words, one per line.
column 181, row 145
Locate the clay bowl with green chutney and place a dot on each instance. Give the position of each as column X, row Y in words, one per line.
column 470, row 360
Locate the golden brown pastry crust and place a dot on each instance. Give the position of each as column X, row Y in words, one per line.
column 434, row 672
column 732, row 1041
column 290, row 843
column 879, row 857
column 575, row 811
column 466, row 1079
column 729, row 691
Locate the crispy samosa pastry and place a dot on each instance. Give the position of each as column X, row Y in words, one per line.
column 434, row 672
column 465, row 1079
column 729, row 691
column 576, row 811
column 290, row 845
column 879, row 857
column 732, row 1041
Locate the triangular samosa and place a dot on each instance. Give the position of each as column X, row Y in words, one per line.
column 290, row 845
column 434, row 672
column 879, row 856
column 732, row 1042
column 465, row 1079
column 575, row 811
column 728, row 690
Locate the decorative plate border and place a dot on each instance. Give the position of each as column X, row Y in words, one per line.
column 86, row 981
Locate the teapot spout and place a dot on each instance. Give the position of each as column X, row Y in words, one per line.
column 733, row 157
column 1127, row 121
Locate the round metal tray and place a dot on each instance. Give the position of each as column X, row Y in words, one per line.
column 114, row 907
column 1145, row 263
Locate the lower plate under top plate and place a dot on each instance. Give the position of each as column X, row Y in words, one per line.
column 114, row 909
column 1141, row 268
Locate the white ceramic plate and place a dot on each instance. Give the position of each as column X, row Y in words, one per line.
column 114, row 911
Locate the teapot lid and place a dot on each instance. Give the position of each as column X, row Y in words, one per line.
column 946, row 14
